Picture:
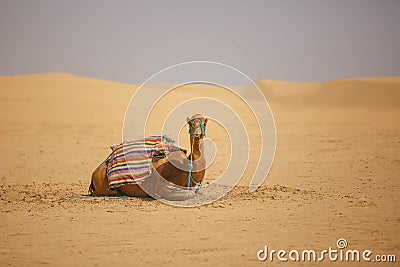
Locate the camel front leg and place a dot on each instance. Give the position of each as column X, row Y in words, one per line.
column 170, row 191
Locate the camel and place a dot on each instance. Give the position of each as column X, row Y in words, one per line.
column 169, row 173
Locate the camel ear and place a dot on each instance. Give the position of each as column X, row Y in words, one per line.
column 187, row 119
column 205, row 122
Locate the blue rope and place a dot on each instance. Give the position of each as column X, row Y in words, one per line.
column 86, row 196
column 203, row 129
column 190, row 167
column 190, row 177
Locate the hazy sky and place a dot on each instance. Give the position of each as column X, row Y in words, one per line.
column 128, row 41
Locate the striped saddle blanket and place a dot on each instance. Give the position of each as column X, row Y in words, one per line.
column 130, row 161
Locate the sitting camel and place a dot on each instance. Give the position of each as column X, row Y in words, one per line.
column 176, row 168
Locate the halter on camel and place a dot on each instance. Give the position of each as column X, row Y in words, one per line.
column 190, row 160
column 203, row 128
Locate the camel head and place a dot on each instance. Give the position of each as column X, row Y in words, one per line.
column 197, row 126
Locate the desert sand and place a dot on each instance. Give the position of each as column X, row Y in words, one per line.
column 335, row 175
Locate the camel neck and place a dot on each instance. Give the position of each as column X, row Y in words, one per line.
column 196, row 146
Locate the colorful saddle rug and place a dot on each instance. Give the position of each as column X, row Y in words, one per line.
column 130, row 161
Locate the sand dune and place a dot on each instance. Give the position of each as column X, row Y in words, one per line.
column 335, row 175
column 357, row 92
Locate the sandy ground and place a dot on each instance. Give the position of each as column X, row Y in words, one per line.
column 335, row 175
